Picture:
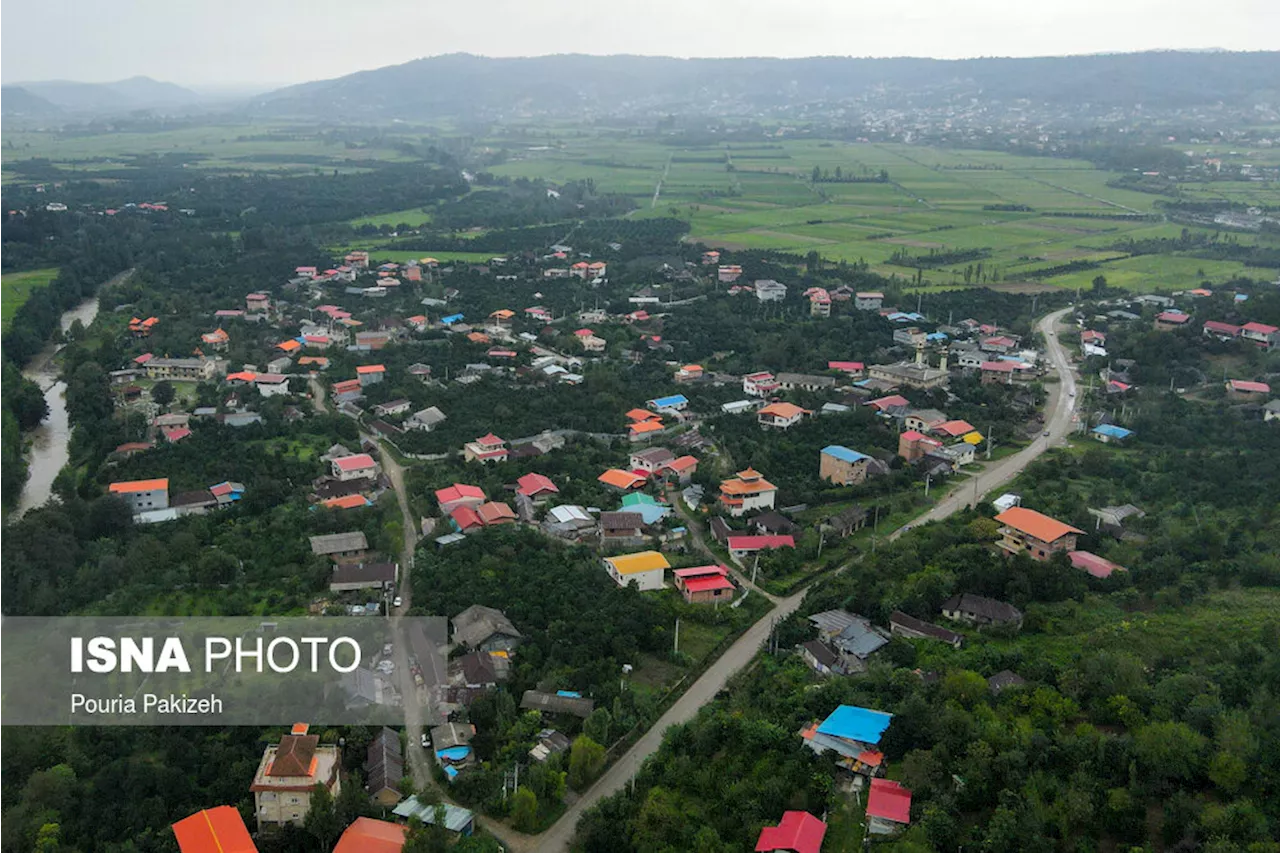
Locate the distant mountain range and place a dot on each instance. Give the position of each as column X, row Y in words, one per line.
column 462, row 84
column 56, row 97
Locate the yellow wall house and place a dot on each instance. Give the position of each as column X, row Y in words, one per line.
column 643, row 570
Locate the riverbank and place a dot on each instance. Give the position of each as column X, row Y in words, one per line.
column 48, row 444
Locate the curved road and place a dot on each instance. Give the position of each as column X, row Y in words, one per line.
column 1058, row 424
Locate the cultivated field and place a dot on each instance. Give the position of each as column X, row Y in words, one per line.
column 15, row 287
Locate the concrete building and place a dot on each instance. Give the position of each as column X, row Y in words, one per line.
column 288, row 774
column 143, row 495
column 842, row 466
column 644, row 570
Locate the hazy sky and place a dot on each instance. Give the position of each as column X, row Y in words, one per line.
column 218, row 42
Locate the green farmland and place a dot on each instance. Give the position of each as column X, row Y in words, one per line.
column 16, row 287
column 762, row 196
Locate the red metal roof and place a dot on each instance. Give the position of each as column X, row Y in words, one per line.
column 459, row 491
column 216, row 830
column 354, row 462
column 466, row 518
column 890, row 801
column 533, row 484
column 999, row 366
column 1099, row 567
column 757, row 543
column 1250, row 387
column 1261, row 328
column 800, row 832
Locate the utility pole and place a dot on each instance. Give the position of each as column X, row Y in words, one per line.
column 990, row 440
column 928, row 478
column 676, row 650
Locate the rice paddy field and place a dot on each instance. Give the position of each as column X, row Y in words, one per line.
column 761, row 196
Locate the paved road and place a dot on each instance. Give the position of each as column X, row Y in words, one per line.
column 1058, row 424
column 1058, row 413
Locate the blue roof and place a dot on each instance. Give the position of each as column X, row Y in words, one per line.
column 451, row 772
column 899, row 316
column 853, row 723
column 454, row 753
column 844, row 454
column 666, row 402
column 936, row 336
column 451, row 319
column 1112, row 431
column 572, row 694
column 1242, row 297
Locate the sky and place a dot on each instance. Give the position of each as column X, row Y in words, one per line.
column 262, row 43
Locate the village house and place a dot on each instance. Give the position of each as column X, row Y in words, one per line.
column 853, row 638
column 355, row 467
column 370, row 374
column 1110, row 433
column 485, row 629
column 643, row 570
column 651, row 460
column 271, row 384
column 888, row 807
column 487, row 448
column 914, row 445
column 854, row 735
column 903, row 625
column 622, row 481
column 1167, row 321
column 915, row 374
column 978, row 610
column 217, row 340
column 188, row 369
column 1039, row 536
column 142, row 495
column 1267, row 337
column 998, row 372
column 852, row 369
column 847, row 521
column 819, row 302
column 768, row 290
column 1271, row 411
column 998, row 344
column 683, row 469
column 956, row 429
column 747, row 492
column 1241, row 389
column 348, row 577
column 672, row 403
column 704, row 584
column 288, row 774
column 394, row 407
column 842, row 466
column 561, row 702
column 728, row 273
column 689, row 373
column 742, row 547
column 347, row 391
column 759, row 384
column 798, row 832
column 340, row 547
column 537, row 488
column 219, row 829
column 426, row 420
column 621, row 529
column 142, row 328
column 924, row 420
column 868, row 300
column 805, row 382
column 781, row 415
column 1221, row 331
column 1092, row 564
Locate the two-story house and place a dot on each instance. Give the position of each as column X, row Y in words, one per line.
column 747, row 492
column 487, row 448
column 1026, row 531
column 288, row 774
column 842, row 466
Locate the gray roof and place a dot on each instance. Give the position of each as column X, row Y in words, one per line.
column 364, row 573
column 449, row 735
column 655, row 455
column 536, row 700
column 821, row 652
column 1116, row 515
column 832, row 621
column 478, row 668
column 1004, row 679
column 621, row 521
column 927, row 415
column 988, row 608
column 384, row 763
column 860, row 639
column 429, row 416
column 478, row 623
column 456, row 818
column 1273, row 406
column 335, row 543
column 806, row 379
column 928, row 629
column 774, row 522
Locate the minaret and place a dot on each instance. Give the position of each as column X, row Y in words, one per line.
column 920, row 354
column 942, row 362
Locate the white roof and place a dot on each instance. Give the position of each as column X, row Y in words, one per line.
column 568, row 513
column 1006, row 501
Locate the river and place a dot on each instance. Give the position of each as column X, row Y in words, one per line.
column 48, row 449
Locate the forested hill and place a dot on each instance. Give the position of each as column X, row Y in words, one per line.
column 462, row 84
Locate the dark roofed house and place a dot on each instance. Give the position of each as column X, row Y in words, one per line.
column 978, row 610
column 485, row 629
column 903, row 625
column 774, row 522
column 474, row 671
column 720, row 530
column 1003, row 680
column 821, row 658
column 352, row 576
column 561, row 702
column 340, row 546
column 853, row 638
column 384, row 768
column 621, row 528
column 293, row 755
column 847, row 521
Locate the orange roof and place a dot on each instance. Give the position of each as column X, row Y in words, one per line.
column 503, row 314
column 741, row 487
column 367, row 835
column 313, row 359
column 1035, row 524
column 289, row 345
column 683, row 463
column 620, row 479
column 783, row 410
column 347, row 502
column 692, row 368
column 478, row 337
column 242, row 376
column 371, row 368
column 646, row 427
column 216, row 830
column 643, row 415
column 129, row 486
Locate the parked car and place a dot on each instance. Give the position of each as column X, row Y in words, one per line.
column 397, row 601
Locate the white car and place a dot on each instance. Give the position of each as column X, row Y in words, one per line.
column 426, row 741
column 1072, row 394
column 397, row 601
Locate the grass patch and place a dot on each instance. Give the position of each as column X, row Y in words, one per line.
column 16, row 288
